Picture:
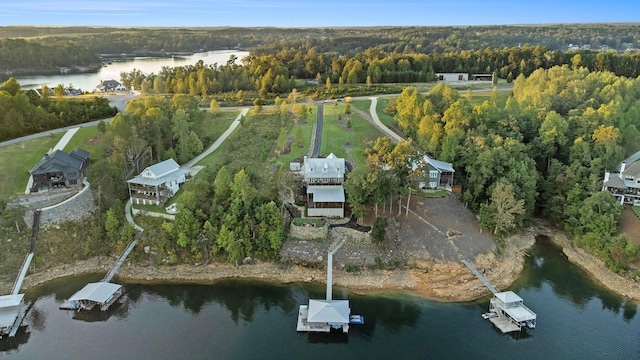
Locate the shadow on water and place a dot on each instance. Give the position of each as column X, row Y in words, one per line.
column 8, row 344
column 547, row 263
column 240, row 297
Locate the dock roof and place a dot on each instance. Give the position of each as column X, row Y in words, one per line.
column 508, row 297
column 329, row 311
column 9, row 309
column 98, row 292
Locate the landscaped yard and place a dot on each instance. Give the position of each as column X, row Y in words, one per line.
column 301, row 148
column 16, row 161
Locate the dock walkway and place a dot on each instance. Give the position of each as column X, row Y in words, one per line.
column 122, row 258
column 481, row 277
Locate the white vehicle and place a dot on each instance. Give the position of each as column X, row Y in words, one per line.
column 172, row 209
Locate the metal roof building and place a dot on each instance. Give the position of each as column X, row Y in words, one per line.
column 101, row 293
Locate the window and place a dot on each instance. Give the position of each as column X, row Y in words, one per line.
column 460, row 77
column 433, row 174
column 440, row 77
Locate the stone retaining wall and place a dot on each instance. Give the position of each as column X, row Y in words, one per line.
column 308, row 232
column 78, row 208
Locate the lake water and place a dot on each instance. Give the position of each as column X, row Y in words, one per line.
column 148, row 65
column 235, row 319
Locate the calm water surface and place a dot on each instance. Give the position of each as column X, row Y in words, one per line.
column 577, row 319
column 147, row 65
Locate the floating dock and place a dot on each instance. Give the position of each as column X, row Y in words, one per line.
column 506, row 309
column 327, row 315
column 102, row 294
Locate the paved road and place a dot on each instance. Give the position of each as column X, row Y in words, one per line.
column 189, row 164
column 376, row 121
column 318, row 141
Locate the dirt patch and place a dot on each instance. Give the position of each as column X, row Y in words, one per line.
column 287, row 148
column 630, row 225
column 93, row 141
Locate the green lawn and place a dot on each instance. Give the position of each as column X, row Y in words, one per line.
column 385, row 118
column 337, row 138
column 90, row 139
column 302, row 148
column 16, row 161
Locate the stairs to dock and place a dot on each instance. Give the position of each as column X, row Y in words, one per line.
column 122, row 258
column 27, row 260
column 484, row 280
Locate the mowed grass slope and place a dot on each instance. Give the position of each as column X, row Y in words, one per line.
column 87, row 138
column 345, row 142
column 17, row 160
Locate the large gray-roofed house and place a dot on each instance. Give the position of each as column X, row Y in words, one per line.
column 59, row 169
column 157, row 183
column 323, row 179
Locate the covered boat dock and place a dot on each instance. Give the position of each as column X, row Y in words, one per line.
column 103, row 294
column 11, row 314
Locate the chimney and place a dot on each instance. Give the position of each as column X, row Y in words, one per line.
column 46, row 156
column 623, row 165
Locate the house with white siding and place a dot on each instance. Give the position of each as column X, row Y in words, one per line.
column 157, row 183
column 323, row 180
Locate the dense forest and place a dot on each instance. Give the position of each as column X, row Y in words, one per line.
column 25, row 113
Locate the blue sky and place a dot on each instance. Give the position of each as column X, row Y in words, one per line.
column 301, row 13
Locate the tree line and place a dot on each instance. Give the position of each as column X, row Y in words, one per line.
column 41, row 49
column 25, row 113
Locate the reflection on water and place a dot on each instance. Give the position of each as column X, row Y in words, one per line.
column 240, row 319
column 546, row 264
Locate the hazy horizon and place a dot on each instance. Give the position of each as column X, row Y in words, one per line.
column 331, row 13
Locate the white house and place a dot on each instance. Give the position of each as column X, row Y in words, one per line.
column 324, row 178
column 157, row 183
column 452, row 77
column 110, row 85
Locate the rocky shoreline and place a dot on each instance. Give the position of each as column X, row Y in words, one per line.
column 436, row 280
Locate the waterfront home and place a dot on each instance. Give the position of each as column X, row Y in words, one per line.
column 323, row 181
column 60, row 170
column 157, row 183
column 433, row 173
column 109, row 85
column 624, row 181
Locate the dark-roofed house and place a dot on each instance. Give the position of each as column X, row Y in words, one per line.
column 110, row 85
column 436, row 173
column 60, row 170
column 157, row 183
column 624, row 181
column 323, row 178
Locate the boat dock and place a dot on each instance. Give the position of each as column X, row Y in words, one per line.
column 327, row 315
column 12, row 309
column 506, row 309
column 103, row 293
